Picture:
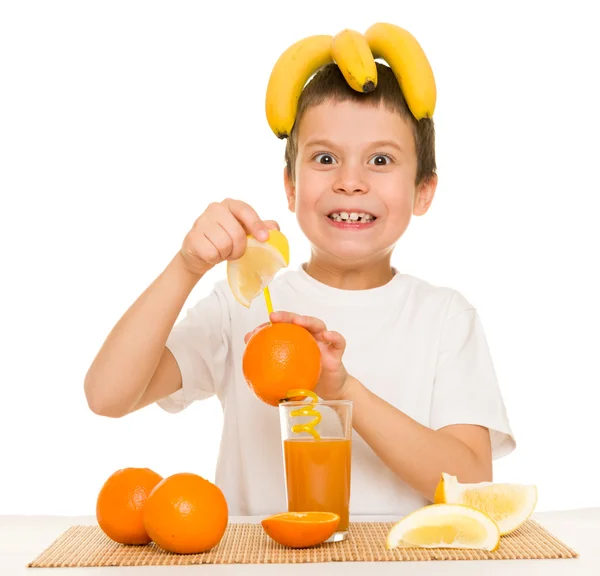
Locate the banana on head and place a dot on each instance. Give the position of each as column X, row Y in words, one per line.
column 354, row 54
column 353, row 57
column 288, row 77
column 400, row 49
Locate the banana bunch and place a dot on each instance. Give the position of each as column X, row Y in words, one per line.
column 355, row 54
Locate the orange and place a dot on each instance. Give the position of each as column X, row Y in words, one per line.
column 120, row 504
column 301, row 529
column 279, row 357
column 186, row 514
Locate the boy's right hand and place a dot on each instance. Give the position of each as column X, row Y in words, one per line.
column 220, row 234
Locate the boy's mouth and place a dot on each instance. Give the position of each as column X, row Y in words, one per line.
column 352, row 217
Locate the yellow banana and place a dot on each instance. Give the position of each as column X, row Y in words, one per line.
column 288, row 77
column 353, row 56
column 400, row 49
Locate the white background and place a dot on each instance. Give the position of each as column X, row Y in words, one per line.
column 120, row 121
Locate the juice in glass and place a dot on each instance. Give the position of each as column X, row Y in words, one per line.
column 318, row 470
column 318, row 476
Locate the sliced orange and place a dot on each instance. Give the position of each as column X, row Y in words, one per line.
column 301, row 529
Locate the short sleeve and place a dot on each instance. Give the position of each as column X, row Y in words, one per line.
column 466, row 389
column 200, row 344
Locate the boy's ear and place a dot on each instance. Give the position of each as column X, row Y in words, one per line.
column 290, row 190
column 424, row 195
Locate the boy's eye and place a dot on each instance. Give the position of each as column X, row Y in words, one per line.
column 324, row 158
column 381, row 160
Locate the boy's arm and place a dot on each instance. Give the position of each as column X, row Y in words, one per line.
column 133, row 367
column 416, row 453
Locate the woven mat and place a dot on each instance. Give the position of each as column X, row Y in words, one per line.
column 249, row 544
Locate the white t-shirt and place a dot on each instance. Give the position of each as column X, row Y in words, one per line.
column 420, row 347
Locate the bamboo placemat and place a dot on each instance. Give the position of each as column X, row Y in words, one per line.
column 245, row 543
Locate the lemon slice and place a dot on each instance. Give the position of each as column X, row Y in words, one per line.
column 509, row 505
column 445, row 526
column 249, row 275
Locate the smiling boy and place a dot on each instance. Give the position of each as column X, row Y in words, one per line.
column 411, row 356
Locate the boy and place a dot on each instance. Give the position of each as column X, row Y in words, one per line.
column 411, row 356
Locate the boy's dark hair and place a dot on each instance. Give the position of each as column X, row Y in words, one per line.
column 329, row 84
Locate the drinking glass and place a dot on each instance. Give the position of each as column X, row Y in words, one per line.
column 317, row 467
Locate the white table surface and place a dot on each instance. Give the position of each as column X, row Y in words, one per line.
column 23, row 538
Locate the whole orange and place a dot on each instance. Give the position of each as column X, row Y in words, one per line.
column 186, row 514
column 120, row 504
column 279, row 357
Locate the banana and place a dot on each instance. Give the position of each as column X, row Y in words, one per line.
column 400, row 49
column 353, row 56
column 288, row 77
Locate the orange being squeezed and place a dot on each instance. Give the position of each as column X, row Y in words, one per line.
column 317, row 476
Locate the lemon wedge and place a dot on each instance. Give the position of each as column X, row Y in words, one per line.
column 249, row 275
column 509, row 505
column 445, row 526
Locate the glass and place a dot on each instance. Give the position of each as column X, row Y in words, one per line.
column 317, row 467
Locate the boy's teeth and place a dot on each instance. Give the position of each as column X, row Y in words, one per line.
column 351, row 217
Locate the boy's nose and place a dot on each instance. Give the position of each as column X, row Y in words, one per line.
column 350, row 181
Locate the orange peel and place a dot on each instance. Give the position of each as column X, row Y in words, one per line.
column 307, row 410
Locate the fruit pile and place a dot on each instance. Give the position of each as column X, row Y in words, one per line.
column 187, row 514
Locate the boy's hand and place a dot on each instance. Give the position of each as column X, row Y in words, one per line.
column 334, row 377
column 220, row 234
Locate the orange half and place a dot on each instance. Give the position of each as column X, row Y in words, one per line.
column 301, row 529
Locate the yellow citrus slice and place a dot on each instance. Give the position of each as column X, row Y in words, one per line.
column 509, row 505
column 301, row 529
column 249, row 275
column 445, row 526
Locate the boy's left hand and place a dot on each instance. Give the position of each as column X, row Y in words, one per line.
column 331, row 344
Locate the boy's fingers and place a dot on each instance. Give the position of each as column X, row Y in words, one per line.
column 313, row 325
column 335, row 339
column 249, row 218
column 282, row 316
column 236, row 231
column 271, row 225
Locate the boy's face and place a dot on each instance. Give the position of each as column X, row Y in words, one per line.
column 355, row 159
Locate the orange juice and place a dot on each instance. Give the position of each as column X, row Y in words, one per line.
column 317, row 474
